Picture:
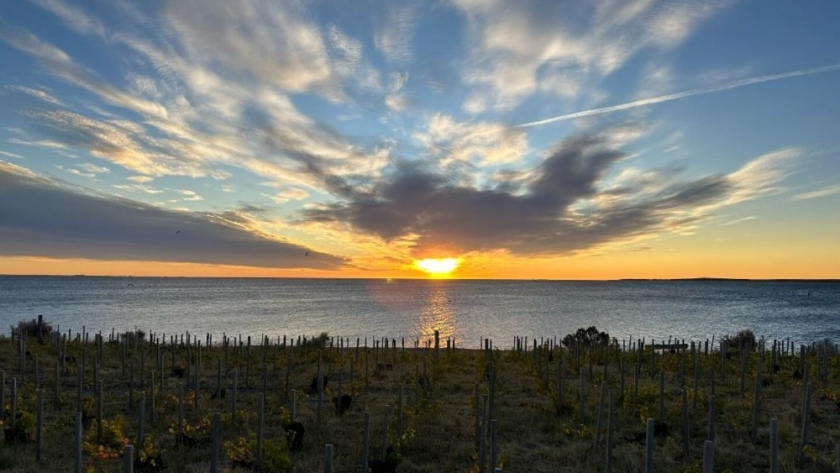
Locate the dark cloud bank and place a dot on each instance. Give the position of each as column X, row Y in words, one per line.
column 39, row 217
column 539, row 216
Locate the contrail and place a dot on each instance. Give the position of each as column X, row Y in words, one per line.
column 679, row 95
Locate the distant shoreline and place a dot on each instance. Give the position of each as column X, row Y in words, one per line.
column 697, row 279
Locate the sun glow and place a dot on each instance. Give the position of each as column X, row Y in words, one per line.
column 437, row 266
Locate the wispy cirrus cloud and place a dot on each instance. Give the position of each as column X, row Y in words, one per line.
column 556, row 48
column 11, row 155
column 824, row 192
column 39, row 94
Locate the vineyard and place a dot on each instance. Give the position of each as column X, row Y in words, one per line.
column 147, row 401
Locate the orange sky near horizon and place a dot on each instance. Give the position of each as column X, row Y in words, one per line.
column 818, row 260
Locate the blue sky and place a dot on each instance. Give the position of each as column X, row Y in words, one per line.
column 353, row 137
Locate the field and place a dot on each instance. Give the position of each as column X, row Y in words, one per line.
column 547, row 404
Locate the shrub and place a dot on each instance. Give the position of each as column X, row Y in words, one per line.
column 320, row 341
column 34, row 327
column 586, row 337
column 133, row 337
column 745, row 339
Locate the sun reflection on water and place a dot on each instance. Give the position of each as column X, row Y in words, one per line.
column 436, row 314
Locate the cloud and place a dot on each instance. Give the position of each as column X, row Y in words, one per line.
column 287, row 194
column 394, row 32
column 39, row 94
column 73, row 17
column 60, row 64
column 60, row 222
column 562, row 48
column 140, row 179
column 267, row 42
column 11, row 155
column 190, row 195
column 138, row 188
column 85, row 170
column 94, row 169
column 480, row 143
column 559, row 207
column 824, row 192
column 212, row 85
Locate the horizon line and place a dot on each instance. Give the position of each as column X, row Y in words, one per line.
column 697, row 278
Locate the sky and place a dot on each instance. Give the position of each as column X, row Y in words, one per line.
column 532, row 139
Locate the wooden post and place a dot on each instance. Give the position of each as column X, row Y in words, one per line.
column 328, row 457
column 128, row 459
column 141, row 419
column 599, row 422
column 294, row 405
column 649, row 447
column 708, row 457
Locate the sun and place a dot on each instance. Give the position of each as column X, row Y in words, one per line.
column 437, row 266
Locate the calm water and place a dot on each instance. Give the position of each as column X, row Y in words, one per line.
column 466, row 310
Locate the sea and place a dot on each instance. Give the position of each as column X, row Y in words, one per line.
column 466, row 311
